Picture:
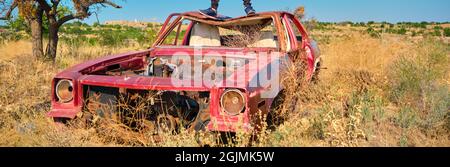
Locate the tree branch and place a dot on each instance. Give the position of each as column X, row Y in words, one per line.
column 9, row 11
column 112, row 4
column 55, row 4
column 83, row 12
column 45, row 5
column 68, row 18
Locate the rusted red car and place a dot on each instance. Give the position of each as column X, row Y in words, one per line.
column 200, row 73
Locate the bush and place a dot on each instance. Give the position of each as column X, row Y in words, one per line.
column 418, row 85
column 391, row 25
column 447, row 32
column 89, row 30
column 373, row 33
column 437, row 32
column 402, row 31
column 437, row 28
column 423, row 24
column 17, row 25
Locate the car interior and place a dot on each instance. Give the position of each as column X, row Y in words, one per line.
column 214, row 36
column 252, row 33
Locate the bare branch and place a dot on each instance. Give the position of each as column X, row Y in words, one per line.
column 8, row 10
column 82, row 7
column 68, row 18
column 45, row 5
column 55, row 4
column 112, row 4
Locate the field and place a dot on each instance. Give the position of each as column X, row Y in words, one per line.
column 382, row 85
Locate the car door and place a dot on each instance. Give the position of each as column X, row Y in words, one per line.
column 300, row 46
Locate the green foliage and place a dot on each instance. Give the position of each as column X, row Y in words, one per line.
column 76, row 24
column 106, row 35
column 391, row 25
column 447, row 32
column 324, row 26
column 63, row 11
column 373, row 33
column 13, row 30
column 17, row 24
column 437, row 32
column 417, row 85
column 346, row 23
column 362, row 24
column 310, row 24
column 422, row 25
column 406, row 117
column 402, row 31
column 437, row 28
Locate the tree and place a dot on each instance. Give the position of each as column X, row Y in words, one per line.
column 300, row 12
column 56, row 15
column 18, row 24
column 32, row 13
column 55, row 21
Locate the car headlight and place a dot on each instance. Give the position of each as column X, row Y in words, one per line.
column 64, row 91
column 233, row 101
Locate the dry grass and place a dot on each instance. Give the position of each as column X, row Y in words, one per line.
column 351, row 105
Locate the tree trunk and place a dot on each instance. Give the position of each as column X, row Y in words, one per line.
column 36, row 34
column 53, row 39
column 36, row 37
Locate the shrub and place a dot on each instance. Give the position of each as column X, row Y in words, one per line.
column 17, row 24
column 417, row 84
column 437, row 28
column 402, row 31
column 391, row 25
column 437, row 32
column 423, row 24
column 373, row 33
column 447, row 32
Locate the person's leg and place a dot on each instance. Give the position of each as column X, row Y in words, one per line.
column 212, row 11
column 248, row 7
column 247, row 3
column 215, row 4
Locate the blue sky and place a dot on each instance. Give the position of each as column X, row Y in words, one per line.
column 323, row 10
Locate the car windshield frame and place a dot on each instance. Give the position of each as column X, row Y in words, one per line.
column 174, row 20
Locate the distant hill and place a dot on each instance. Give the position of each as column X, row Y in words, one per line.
column 136, row 24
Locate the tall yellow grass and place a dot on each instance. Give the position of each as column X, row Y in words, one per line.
column 349, row 106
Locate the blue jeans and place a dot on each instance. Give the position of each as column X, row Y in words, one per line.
column 215, row 3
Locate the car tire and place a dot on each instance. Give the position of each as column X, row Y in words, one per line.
column 274, row 117
column 315, row 78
